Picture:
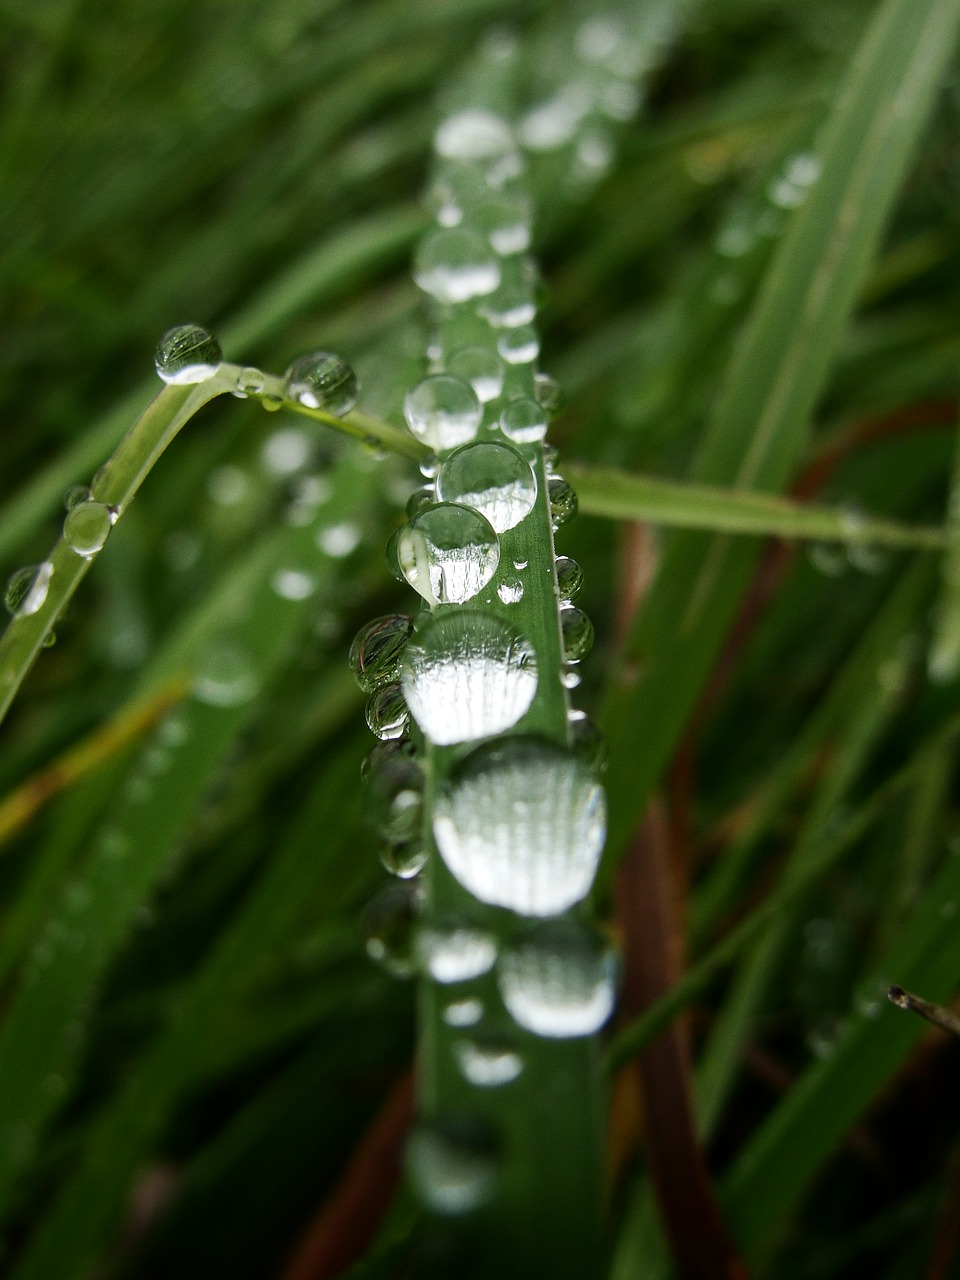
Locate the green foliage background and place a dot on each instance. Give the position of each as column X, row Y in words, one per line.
column 190, row 1018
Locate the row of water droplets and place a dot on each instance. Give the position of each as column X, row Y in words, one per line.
column 518, row 818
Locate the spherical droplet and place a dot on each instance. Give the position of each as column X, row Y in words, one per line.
column 322, row 380
column 493, row 479
column 481, row 367
column 487, row 1062
column 569, row 577
column 187, row 353
column 250, row 382
column 225, row 676
column 76, row 494
column 377, row 650
column 509, row 306
column 448, row 553
column 386, row 712
column 559, row 980
column 468, row 675
column 587, row 741
column 86, row 527
column 443, row 411
column 389, row 927
column 523, row 421
column 548, row 395
column 452, row 951
column 563, row 501
column 26, row 589
column 521, row 824
column 576, row 630
column 463, row 1013
column 455, row 264
column 519, row 346
column 510, row 590
column 473, row 135
column 392, row 792
column 453, row 1165
column 505, row 222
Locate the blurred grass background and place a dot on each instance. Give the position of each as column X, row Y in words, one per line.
column 194, row 1041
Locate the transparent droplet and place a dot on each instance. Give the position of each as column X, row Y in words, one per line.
column 378, row 648
column 455, row 264
column 521, row 824
column 392, row 792
column 547, row 393
column 425, row 496
column 386, row 712
column 523, row 421
column 473, row 135
column 250, row 382
column 76, row 494
column 26, row 589
column 563, row 501
column 569, row 577
column 443, row 411
column 293, row 584
column 448, row 553
column 187, row 354
column 455, row 952
column 493, row 479
column 559, row 980
column 481, row 368
column 587, row 741
column 225, row 677
column 519, row 346
column 322, row 380
column 487, row 1063
column 510, row 591
column 505, row 222
column 453, row 1165
column 389, row 929
column 86, row 527
column 457, row 188
column 405, row 861
column 576, row 630
column 339, row 540
column 510, row 306
column 463, row 1013
column 468, row 675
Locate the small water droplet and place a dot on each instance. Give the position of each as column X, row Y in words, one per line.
column 569, row 577
column 563, row 501
column 293, row 584
column 76, row 494
column 559, row 981
column 86, row 527
column 520, row 565
column 463, row 1013
column 510, row 306
column 505, row 222
column 377, row 650
column 392, row 792
column 510, row 591
column 448, row 553
column 225, row 677
column 523, row 421
column 443, row 411
column 521, row 825
column 519, row 346
column 453, row 1165
column 425, row 496
column 468, row 675
column 26, row 589
column 473, row 135
column 389, row 928
column 587, row 741
column 493, row 479
column 451, row 951
column 487, row 1063
column 186, row 354
column 250, row 382
column 576, row 630
column 339, row 540
column 322, row 380
column 547, row 394
column 386, row 712
column 454, row 265
column 481, row 368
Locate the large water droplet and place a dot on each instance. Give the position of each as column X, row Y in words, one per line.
column 86, row 527
column 448, row 553
column 392, row 792
column 520, row 345
column 576, row 630
column 389, row 928
column 187, row 353
column 473, row 135
column 386, row 712
column 560, row 980
column 322, row 380
column 377, row 649
column 453, row 1165
column 455, row 952
column 523, row 421
column 454, row 265
column 487, row 1063
column 569, row 577
column 493, row 479
column 521, row 825
column 481, row 367
column 443, row 411
column 26, row 589
column 468, row 675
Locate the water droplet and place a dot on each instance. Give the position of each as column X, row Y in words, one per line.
column 563, row 501
column 225, row 677
column 510, row 306
column 339, row 540
column 523, row 421
column 455, row 952
column 569, row 577
column 481, row 368
column 392, row 792
column 377, row 650
column 26, row 589
column 386, row 712
column 454, row 265
column 76, row 494
column 473, row 135
column 493, row 479
column 559, row 980
column 453, row 1165
column 250, row 382
column 287, row 451
column 521, row 825
column 587, row 741
column 487, row 1063
column 425, row 496
column 443, row 411
column 389, row 928
column 463, row 1013
column 187, row 354
column 405, row 861
column 510, row 591
column 505, row 222
column 322, row 380
column 552, row 124
column 576, row 630
column 448, row 553
column 86, row 527
column 293, row 584
column 519, row 346
column 547, row 394
column 468, row 675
